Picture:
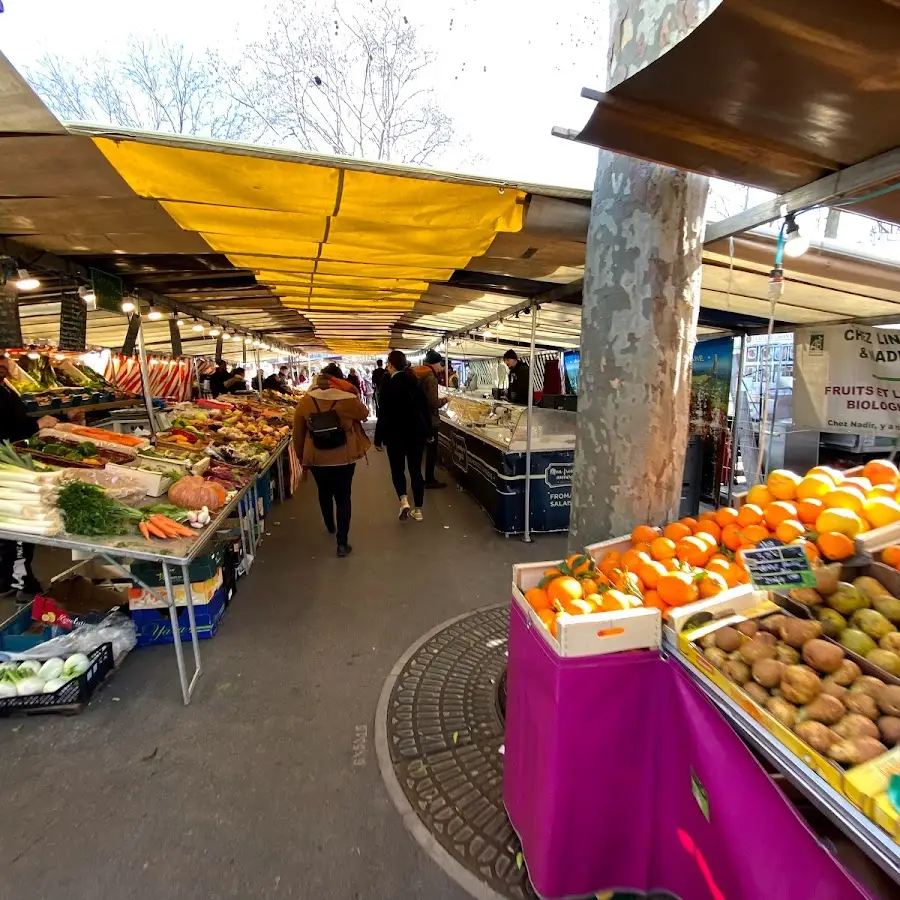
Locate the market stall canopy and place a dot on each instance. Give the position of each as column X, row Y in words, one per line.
column 771, row 93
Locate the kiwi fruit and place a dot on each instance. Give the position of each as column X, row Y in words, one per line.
column 748, row 628
column 708, row 641
column 853, row 725
column 738, row 672
column 855, row 751
column 716, row 656
column 888, row 699
column 768, row 672
column 754, row 650
column 796, row 632
column 820, row 737
column 728, row 639
column 785, row 712
column 868, row 684
column 863, row 704
column 757, row 692
column 787, row 655
column 799, row 684
column 825, row 709
column 846, row 673
column 834, row 690
column 772, row 624
column 823, row 656
column 889, row 727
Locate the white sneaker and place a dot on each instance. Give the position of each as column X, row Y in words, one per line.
column 404, row 508
column 416, row 514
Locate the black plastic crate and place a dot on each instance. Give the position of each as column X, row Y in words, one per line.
column 73, row 696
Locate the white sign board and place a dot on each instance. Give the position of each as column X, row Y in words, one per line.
column 847, row 378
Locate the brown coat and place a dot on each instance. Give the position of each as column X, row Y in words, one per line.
column 429, row 383
column 352, row 413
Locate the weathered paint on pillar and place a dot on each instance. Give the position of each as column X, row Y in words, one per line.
column 639, row 316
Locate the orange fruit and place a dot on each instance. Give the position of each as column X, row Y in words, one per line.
column 580, row 606
column 759, row 496
column 537, row 599
column 691, row 523
column 645, row 534
column 726, row 515
column 676, row 531
column 562, row 590
column 589, row 586
column 713, row 529
column 578, row 563
column 671, row 564
column 835, row 546
column 890, row 556
column 881, row 471
column 834, row 474
column 677, row 589
column 753, row 534
column 718, row 557
column 693, row 551
column 809, row 510
column 650, row 573
column 707, row 514
column 749, row 514
column 883, row 490
column 775, row 513
column 839, row 520
column 789, row 530
column 881, row 511
column 595, row 600
column 642, row 548
column 609, row 562
column 731, row 536
column 662, row 548
column 631, row 559
column 782, row 484
column 612, row 601
column 653, row 599
column 627, row 582
column 548, row 618
column 814, row 486
column 723, row 568
column 849, row 497
column 711, row 584
column 709, row 540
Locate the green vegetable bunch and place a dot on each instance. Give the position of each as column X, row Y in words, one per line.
column 87, row 510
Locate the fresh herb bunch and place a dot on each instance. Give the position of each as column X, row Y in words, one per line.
column 89, row 511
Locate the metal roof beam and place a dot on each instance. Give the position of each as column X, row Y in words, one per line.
column 826, row 191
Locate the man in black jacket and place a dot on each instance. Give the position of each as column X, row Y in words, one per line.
column 519, row 378
column 16, row 425
column 378, row 376
column 218, row 378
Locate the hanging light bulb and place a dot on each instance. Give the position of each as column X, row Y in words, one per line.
column 33, row 354
column 180, row 323
column 214, row 332
column 226, row 336
column 197, row 327
column 26, row 282
column 127, row 306
column 487, row 333
column 795, row 244
column 154, row 315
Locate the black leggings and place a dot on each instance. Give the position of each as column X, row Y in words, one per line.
column 10, row 551
column 334, row 483
column 431, row 454
column 401, row 458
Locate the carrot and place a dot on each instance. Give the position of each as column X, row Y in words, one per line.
column 144, row 530
column 171, row 525
column 156, row 531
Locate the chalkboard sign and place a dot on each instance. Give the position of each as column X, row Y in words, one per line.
column 72, row 322
column 108, row 289
column 174, row 337
column 774, row 566
column 10, row 326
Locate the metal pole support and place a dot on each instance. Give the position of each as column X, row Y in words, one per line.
column 527, row 536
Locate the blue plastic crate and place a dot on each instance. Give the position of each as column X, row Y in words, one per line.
column 154, row 626
column 15, row 636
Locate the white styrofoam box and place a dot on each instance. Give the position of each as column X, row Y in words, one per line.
column 736, row 600
column 154, row 483
column 580, row 636
column 202, row 593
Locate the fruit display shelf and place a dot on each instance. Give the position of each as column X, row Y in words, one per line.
column 872, row 840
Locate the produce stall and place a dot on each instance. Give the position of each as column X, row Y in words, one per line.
column 484, row 444
column 128, row 501
column 784, row 613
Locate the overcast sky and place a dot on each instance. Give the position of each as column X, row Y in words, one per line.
column 506, row 71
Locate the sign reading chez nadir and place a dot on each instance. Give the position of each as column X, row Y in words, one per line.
column 847, row 378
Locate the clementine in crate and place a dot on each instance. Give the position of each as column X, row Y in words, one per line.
column 759, row 495
column 862, row 483
column 610, row 561
column 710, row 527
column 834, row 474
column 563, row 589
column 590, row 585
column 753, row 534
column 775, row 513
column 650, row 573
column 809, row 548
column 694, row 551
column 817, row 485
column 706, row 515
column 578, row 564
column 726, row 515
column 835, row 546
column 749, row 514
column 678, row 589
column 537, row 598
column 731, row 537
column 890, row 556
column 850, row 497
column 883, row 490
column 548, row 618
column 809, row 510
column 881, row 511
column 631, row 559
column 662, row 548
column 881, row 471
column 645, row 534
column 782, row 484
column 839, row 520
column 653, row 599
column 711, row 584
column 789, row 530
column 580, row 607
column 676, row 531
column 613, row 601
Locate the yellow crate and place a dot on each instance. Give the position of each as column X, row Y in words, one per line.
column 863, row 784
column 887, row 817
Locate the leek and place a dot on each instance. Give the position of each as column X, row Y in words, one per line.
column 28, row 476
column 46, row 528
column 23, row 510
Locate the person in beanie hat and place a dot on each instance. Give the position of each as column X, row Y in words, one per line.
column 519, row 378
column 428, row 378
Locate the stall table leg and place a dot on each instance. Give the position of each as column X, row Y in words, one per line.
column 195, row 640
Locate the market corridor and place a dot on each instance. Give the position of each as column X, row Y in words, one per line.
column 267, row 785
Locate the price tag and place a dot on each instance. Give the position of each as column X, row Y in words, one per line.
column 774, row 566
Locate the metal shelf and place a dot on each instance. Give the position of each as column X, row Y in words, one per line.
column 872, row 840
column 87, row 407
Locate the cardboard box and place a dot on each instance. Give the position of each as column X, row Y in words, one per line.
column 201, row 594
column 887, row 817
column 865, row 783
column 154, row 626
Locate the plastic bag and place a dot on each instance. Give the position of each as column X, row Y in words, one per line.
column 116, row 629
column 120, row 487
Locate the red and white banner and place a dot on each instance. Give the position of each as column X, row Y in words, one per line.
column 170, row 379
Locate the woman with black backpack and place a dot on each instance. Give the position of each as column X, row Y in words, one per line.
column 329, row 439
column 404, row 427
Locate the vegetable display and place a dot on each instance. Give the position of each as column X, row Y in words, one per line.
column 193, row 492
column 33, row 677
column 88, row 511
column 27, row 494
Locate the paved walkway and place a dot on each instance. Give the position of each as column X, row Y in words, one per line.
column 267, row 785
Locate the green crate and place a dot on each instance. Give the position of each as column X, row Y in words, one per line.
column 201, row 569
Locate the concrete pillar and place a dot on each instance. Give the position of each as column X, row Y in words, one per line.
column 641, row 297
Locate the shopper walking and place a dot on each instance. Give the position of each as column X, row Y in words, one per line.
column 329, row 440
column 403, row 429
column 428, row 378
column 378, row 376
